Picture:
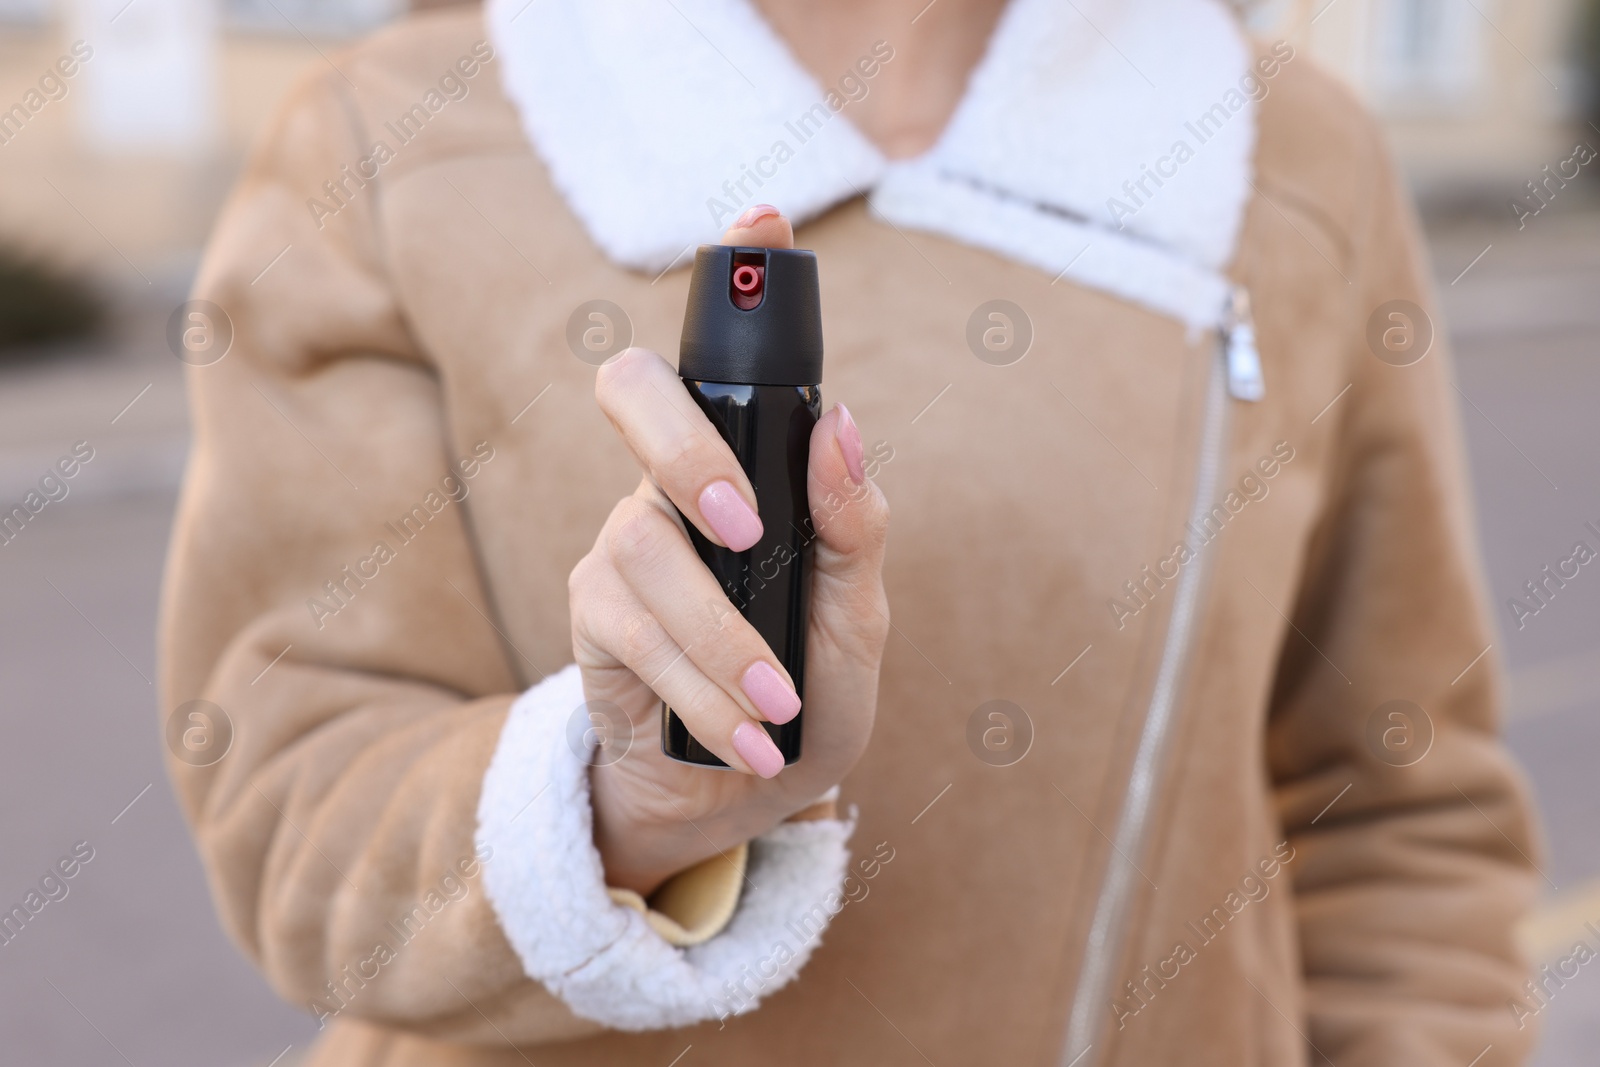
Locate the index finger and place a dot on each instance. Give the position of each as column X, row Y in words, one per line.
column 677, row 446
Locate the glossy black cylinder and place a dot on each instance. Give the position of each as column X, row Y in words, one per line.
column 751, row 356
column 769, row 429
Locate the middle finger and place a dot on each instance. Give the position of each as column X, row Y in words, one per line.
column 654, row 558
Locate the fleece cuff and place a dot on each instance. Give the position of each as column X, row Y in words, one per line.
column 610, row 958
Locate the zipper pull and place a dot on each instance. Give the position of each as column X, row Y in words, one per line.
column 1239, row 348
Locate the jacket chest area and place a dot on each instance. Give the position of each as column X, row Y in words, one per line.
column 1037, row 441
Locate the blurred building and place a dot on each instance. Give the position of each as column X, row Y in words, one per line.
column 1477, row 95
column 125, row 164
column 123, row 167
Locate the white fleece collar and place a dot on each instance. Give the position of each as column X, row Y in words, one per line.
column 660, row 121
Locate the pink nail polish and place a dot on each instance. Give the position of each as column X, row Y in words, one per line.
column 730, row 518
column 757, row 749
column 850, row 445
column 754, row 215
column 770, row 693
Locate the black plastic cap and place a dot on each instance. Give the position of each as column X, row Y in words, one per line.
column 777, row 342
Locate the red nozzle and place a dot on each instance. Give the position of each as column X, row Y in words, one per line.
column 748, row 281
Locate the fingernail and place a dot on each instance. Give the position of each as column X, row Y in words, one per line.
column 850, row 444
column 757, row 749
column 730, row 517
column 770, row 693
column 754, row 215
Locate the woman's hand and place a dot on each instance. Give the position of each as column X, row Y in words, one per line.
column 650, row 622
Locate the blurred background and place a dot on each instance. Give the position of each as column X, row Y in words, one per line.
column 108, row 187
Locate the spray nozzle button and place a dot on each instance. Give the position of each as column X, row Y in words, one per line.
column 749, row 280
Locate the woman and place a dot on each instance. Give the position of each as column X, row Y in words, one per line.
column 1184, row 740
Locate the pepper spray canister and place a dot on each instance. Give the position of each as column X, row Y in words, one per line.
column 751, row 356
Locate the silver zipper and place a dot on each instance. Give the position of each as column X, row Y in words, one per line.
column 1091, row 999
column 1244, row 362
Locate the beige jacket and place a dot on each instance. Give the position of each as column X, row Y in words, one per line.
column 1204, row 836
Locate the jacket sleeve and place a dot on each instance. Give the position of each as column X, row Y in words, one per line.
column 1413, row 830
column 324, row 606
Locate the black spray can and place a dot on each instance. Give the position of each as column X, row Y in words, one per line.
column 751, row 356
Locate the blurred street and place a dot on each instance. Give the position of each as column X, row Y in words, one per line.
column 1524, row 320
column 132, row 966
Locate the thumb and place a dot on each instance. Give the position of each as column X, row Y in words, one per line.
column 762, row 226
column 848, row 510
column 851, row 520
